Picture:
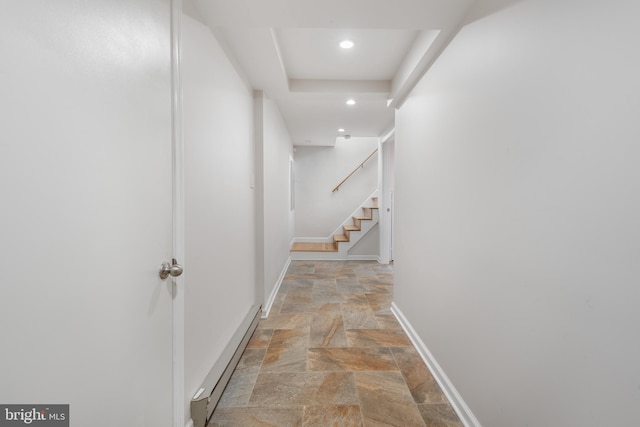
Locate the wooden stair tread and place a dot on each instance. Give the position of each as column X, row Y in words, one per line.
column 314, row 247
column 351, row 227
column 340, row 238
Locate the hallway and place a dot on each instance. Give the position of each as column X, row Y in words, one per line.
column 331, row 353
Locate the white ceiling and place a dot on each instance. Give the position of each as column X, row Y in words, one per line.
column 314, row 53
column 289, row 49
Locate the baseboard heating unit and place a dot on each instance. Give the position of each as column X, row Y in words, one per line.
column 208, row 395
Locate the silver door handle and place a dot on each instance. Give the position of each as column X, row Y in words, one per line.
column 174, row 269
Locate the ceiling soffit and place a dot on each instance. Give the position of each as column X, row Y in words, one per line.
column 289, row 49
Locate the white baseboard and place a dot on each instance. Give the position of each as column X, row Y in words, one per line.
column 317, row 256
column 362, row 257
column 272, row 296
column 312, row 240
column 330, row 256
column 458, row 404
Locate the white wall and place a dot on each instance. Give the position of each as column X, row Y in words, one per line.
column 220, row 237
column 517, row 213
column 278, row 218
column 318, row 170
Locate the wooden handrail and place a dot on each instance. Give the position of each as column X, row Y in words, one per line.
column 354, row 171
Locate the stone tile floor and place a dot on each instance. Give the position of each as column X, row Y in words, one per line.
column 331, row 353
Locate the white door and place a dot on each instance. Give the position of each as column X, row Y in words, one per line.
column 85, row 219
column 386, row 208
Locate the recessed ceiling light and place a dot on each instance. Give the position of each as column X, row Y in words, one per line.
column 351, row 102
column 341, row 130
column 346, row 44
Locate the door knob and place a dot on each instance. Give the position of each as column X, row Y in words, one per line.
column 174, row 269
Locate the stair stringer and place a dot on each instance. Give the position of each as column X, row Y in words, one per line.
column 355, row 236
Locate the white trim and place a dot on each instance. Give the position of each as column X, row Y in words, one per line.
column 312, row 240
column 269, row 303
column 276, row 45
column 363, row 258
column 455, row 399
column 387, row 136
column 331, row 256
column 317, row 256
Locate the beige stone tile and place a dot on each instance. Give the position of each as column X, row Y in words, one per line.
column 377, row 338
column 308, row 276
column 350, row 287
column 325, row 294
column 251, row 358
column 385, row 400
column 380, row 303
column 298, row 303
column 385, row 275
column 290, row 282
column 327, row 330
column 346, row 276
column 238, row 390
column 329, row 308
column 356, row 301
column 358, row 316
column 364, row 271
column 260, row 338
column 257, row 417
column 371, row 280
column 302, row 267
column 301, row 288
column 328, row 268
column 324, row 283
column 334, row 416
column 287, row 351
column 307, row 388
column 351, row 359
column 421, row 383
column 286, row 321
column 439, row 415
column 378, row 288
column 387, row 321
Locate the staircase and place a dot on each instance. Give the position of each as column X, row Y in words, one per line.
column 343, row 238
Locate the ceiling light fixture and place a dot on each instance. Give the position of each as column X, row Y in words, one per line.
column 346, row 44
column 341, row 130
column 351, row 102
